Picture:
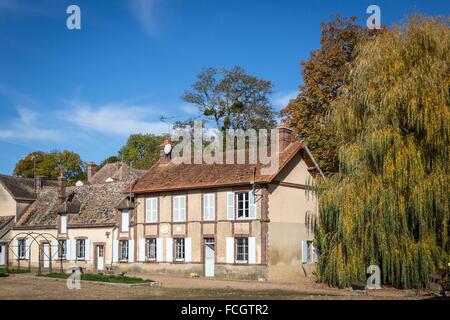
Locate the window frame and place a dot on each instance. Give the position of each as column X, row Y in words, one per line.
column 209, row 211
column 149, row 211
column 179, row 243
column 22, row 245
column 246, row 205
column 80, row 243
column 121, row 248
column 176, row 212
column 62, row 249
column 245, row 252
column 148, row 246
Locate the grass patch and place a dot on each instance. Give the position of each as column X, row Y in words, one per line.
column 14, row 271
column 101, row 278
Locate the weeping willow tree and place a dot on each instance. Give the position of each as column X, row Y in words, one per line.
column 389, row 203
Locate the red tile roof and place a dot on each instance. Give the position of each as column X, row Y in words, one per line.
column 165, row 177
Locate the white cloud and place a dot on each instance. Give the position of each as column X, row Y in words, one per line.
column 116, row 119
column 190, row 109
column 144, row 10
column 26, row 128
column 281, row 100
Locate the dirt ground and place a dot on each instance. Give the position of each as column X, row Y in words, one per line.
column 28, row 286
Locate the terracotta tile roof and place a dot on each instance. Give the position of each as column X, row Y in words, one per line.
column 118, row 171
column 94, row 204
column 5, row 220
column 172, row 176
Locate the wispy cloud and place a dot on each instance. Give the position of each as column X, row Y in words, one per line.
column 26, row 127
column 117, row 119
column 145, row 12
column 281, row 100
column 190, row 109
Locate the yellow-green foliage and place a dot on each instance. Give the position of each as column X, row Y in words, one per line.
column 389, row 204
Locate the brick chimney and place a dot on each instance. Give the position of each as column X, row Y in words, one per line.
column 284, row 135
column 39, row 183
column 163, row 157
column 62, row 188
column 91, row 170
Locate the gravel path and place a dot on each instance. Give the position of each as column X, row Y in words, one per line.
column 28, row 286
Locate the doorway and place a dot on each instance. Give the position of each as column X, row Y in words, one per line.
column 45, row 255
column 100, row 257
column 209, row 257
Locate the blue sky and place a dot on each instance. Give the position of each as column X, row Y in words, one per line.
column 87, row 90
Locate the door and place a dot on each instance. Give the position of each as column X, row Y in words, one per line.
column 100, row 257
column 46, row 255
column 2, row 254
column 209, row 257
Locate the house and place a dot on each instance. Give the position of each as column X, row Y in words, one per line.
column 68, row 225
column 16, row 195
column 223, row 220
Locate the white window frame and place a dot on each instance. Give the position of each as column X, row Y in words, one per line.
column 209, row 206
column 121, row 250
column 179, row 211
column 148, row 244
column 246, row 251
column 125, row 227
column 246, row 205
column 179, row 249
column 22, row 249
column 80, row 243
column 151, row 210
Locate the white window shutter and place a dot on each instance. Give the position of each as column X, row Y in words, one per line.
column 142, row 250
column 159, row 249
column 230, row 205
column 131, row 251
column 230, row 250
column 63, row 224
column 304, row 251
column 188, row 249
column 54, row 249
column 169, row 249
column 155, row 210
column 68, row 250
column 15, row 249
column 252, row 205
column 74, row 249
column 252, row 250
column 115, row 251
column 87, row 250
column 27, row 249
column 183, row 208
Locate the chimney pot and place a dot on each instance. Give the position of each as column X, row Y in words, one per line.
column 91, row 170
column 39, row 183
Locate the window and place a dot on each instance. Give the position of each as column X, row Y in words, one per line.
column 22, row 249
column 179, row 208
column 62, row 249
column 63, row 221
column 123, row 250
column 242, row 205
column 179, row 249
column 242, row 250
column 81, row 249
column 209, row 206
column 151, row 249
column 151, row 214
column 125, row 223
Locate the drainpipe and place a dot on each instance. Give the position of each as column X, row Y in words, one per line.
column 112, row 245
